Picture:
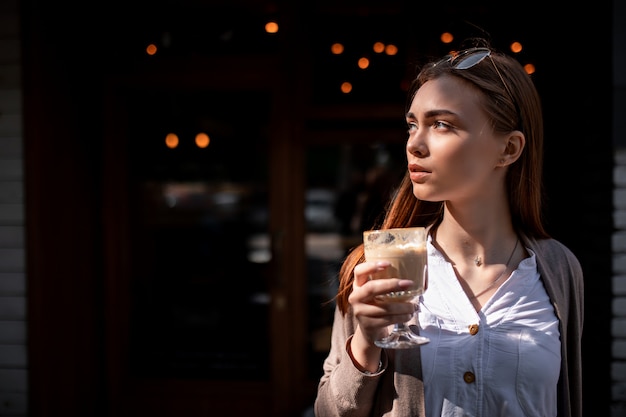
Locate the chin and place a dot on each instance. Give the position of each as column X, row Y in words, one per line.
column 420, row 194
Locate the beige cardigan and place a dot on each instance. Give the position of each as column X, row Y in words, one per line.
column 398, row 389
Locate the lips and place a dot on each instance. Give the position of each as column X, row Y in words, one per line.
column 418, row 173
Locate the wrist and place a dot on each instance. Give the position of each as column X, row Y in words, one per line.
column 368, row 360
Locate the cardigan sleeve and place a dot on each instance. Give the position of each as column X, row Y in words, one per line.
column 562, row 275
column 343, row 389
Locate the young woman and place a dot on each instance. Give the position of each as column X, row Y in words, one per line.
column 504, row 305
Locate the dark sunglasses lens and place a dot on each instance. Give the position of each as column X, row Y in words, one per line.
column 470, row 60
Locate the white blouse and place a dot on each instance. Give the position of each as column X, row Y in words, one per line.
column 501, row 362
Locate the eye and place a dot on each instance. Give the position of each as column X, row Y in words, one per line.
column 440, row 124
column 411, row 127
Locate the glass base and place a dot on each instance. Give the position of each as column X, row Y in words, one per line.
column 401, row 338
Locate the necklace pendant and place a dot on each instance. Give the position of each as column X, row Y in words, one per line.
column 478, row 261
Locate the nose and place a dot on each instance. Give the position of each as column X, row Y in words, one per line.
column 415, row 145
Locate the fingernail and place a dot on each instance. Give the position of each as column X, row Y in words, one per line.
column 405, row 283
column 382, row 264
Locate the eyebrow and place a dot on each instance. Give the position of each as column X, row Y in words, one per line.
column 431, row 113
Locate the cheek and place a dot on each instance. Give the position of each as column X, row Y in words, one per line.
column 455, row 162
column 461, row 167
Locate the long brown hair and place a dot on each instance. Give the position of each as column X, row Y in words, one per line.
column 512, row 103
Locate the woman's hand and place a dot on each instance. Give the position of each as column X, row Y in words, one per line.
column 375, row 316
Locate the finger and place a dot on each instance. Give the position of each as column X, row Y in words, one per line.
column 367, row 271
column 383, row 309
column 370, row 291
column 377, row 287
column 375, row 317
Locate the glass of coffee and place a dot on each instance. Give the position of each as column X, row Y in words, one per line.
column 405, row 250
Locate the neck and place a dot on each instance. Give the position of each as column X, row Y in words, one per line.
column 485, row 243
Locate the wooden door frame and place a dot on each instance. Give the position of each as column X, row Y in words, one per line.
column 282, row 394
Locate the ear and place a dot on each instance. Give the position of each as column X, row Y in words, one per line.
column 514, row 143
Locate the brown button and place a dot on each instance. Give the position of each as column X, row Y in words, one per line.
column 473, row 329
column 469, row 377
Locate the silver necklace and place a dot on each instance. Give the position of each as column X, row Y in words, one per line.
column 478, row 262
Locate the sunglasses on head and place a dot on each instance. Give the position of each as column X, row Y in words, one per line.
column 473, row 56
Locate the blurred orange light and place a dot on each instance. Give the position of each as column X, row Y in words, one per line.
column 271, row 27
column 530, row 68
column 516, row 47
column 364, row 63
column 202, row 140
column 378, row 47
column 336, row 48
column 346, row 87
column 391, row 49
column 171, row 140
column 151, row 49
column 446, row 37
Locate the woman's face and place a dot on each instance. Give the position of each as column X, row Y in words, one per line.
column 452, row 151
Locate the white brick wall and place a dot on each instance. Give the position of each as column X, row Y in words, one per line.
column 13, row 337
column 618, row 324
